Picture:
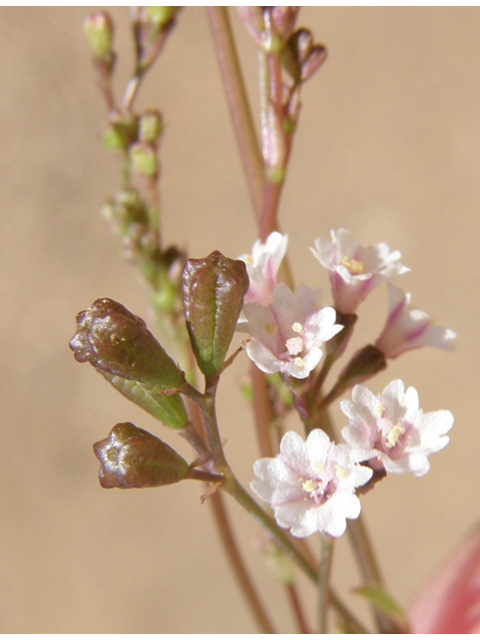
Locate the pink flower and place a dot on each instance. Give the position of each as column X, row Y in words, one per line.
column 287, row 335
column 262, row 267
column 355, row 270
column 391, row 431
column 408, row 329
column 311, row 485
column 450, row 603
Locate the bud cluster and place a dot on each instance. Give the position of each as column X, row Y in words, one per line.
column 291, row 57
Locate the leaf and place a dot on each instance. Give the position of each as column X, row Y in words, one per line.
column 382, row 601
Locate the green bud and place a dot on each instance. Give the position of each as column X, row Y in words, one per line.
column 98, row 28
column 126, row 210
column 132, row 458
column 213, row 290
column 117, row 342
column 151, row 126
column 161, row 16
column 144, row 160
column 120, row 132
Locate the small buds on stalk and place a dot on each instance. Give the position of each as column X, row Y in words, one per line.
column 98, row 28
column 132, row 458
column 120, row 132
column 213, row 291
column 144, row 160
column 151, row 126
column 117, row 342
column 301, row 57
column 151, row 26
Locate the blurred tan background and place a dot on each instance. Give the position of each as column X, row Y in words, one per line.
column 388, row 146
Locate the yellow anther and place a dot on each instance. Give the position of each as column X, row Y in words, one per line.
column 310, row 486
column 394, row 435
column 356, row 267
column 297, row 327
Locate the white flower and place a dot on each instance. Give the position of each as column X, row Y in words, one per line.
column 354, row 270
column 392, row 431
column 311, row 485
column 262, row 267
column 288, row 334
column 408, row 329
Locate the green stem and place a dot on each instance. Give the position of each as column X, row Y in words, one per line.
column 369, row 568
column 297, row 608
column 323, row 581
column 231, row 548
column 237, row 99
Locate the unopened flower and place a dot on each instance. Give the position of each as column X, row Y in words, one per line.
column 262, row 267
column 133, row 458
column 286, row 336
column 311, row 484
column 355, row 270
column 408, row 329
column 391, row 431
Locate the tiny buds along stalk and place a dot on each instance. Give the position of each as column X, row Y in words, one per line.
column 117, row 342
column 151, row 126
column 98, row 28
column 132, row 458
column 213, row 292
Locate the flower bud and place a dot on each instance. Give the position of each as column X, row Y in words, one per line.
column 161, row 16
column 213, row 291
column 120, row 132
column 98, row 28
column 132, row 458
column 117, row 342
column 151, row 126
column 144, row 160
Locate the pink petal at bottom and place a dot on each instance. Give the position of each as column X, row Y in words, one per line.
column 450, row 603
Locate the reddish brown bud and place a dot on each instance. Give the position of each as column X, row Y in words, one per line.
column 117, row 342
column 213, row 291
column 132, row 458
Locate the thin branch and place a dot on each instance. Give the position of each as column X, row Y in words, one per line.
column 231, row 549
column 298, row 609
column 369, row 568
column 238, row 103
column 324, row 580
column 225, row 530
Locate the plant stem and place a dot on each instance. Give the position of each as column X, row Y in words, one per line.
column 262, row 410
column 323, row 581
column 368, row 565
column 297, row 609
column 225, row 530
column 231, row 549
column 237, row 99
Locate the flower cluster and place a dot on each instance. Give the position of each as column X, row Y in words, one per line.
column 312, row 485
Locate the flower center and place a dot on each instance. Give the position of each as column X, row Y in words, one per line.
column 356, row 267
column 392, row 432
column 295, row 345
